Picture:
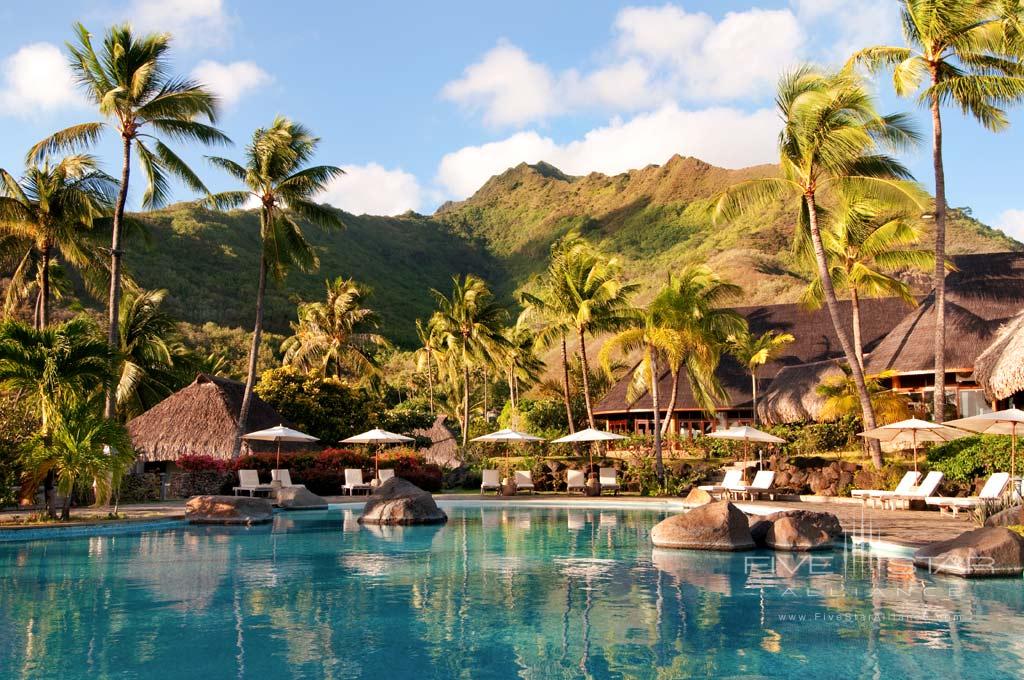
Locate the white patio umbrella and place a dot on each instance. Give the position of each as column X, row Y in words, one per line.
column 588, row 435
column 1009, row 421
column 913, row 431
column 508, row 436
column 377, row 436
column 746, row 434
column 279, row 434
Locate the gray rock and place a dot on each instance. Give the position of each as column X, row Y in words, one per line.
column 985, row 552
column 797, row 533
column 228, row 510
column 299, row 498
column 715, row 526
column 1006, row 518
column 397, row 501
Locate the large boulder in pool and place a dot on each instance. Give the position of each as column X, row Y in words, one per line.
column 715, row 526
column 228, row 510
column 985, row 552
column 299, row 498
column 397, row 501
column 797, row 530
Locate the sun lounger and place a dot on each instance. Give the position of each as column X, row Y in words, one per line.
column 490, row 481
column 992, row 491
column 609, row 480
column 906, row 485
column 249, row 481
column 385, row 475
column 919, row 493
column 732, row 478
column 285, row 477
column 524, row 481
column 354, row 482
column 762, row 484
column 575, row 481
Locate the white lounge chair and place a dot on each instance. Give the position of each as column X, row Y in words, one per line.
column 575, row 481
column 762, row 484
column 992, row 491
column 490, row 482
column 927, row 488
column 906, row 485
column 524, row 481
column 249, row 481
column 285, row 477
column 385, row 474
column 609, row 480
column 354, row 482
column 732, row 478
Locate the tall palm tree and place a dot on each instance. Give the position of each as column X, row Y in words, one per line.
column 332, row 338
column 425, row 355
column 153, row 358
column 276, row 174
column 754, row 351
column 866, row 244
column 469, row 325
column 956, row 52
column 840, row 397
column 52, row 209
column 129, row 79
column 522, row 365
column 832, row 139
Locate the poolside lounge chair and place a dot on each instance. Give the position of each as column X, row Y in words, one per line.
column 354, row 482
column 385, row 474
column 490, row 482
column 575, row 481
column 524, row 481
column 992, row 491
column 918, row 493
column 732, row 478
column 906, row 485
column 762, row 484
column 249, row 480
column 609, row 480
column 285, row 477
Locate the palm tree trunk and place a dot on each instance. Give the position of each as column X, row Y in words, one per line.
column 430, row 383
column 659, row 466
column 586, row 378
column 114, row 301
column 44, row 287
column 753, row 394
column 858, row 343
column 939, row 282
column 465, row 397
column 565, row 387
column 254, row 355
column 671, row 403
column 65, row 511
column 832, row 302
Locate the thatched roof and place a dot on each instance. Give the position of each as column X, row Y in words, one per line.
column 200, row 420
column 443, row 449
column 792, row 396
column 1000, row 368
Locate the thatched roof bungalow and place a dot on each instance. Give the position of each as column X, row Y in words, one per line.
column 444, row 447
column 200, row 419
column 793, row 393
column 1000, row 368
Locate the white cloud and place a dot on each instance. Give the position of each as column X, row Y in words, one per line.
column 1011, row 222
column 374, row 190
column 36, row 78
column 191, row 22
column 231, row 81
column 722, row 136
column 851, row 24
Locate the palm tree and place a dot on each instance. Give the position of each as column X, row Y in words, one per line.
column 276, row 175
column 840, row 397
column 330, row 339
column 754, row 351
column 469, row 327
column 522, row 365
column 866, row 243
column 52, row 209
column 425, row 355
column 832, row 140
column 957, row 52
column 152, row 357
column 545, row 313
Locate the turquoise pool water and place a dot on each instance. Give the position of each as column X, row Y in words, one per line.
column 496, row 593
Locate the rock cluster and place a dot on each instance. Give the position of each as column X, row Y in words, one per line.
column 797, row 530
column 723, row 526
column 985, row 552
column 228, row 510
column 826, row 479
column 397, row 501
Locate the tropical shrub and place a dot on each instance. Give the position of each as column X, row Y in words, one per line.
column 17, row 424
column 201, row 463
column 976, row 456
column 324, row 473
column 139, row 488
column 323, row 407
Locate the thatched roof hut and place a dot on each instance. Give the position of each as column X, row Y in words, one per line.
column 793, row 395
column 200, row 419
column 444, row 448
column 1000, row 368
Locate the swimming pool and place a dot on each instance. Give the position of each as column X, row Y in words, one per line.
column 500, row 591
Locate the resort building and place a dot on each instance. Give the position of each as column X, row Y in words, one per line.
column 984, row 293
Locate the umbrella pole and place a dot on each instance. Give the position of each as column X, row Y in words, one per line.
column 1013, row 458
column 376, row 463
column 913, row 436
column 278, row 454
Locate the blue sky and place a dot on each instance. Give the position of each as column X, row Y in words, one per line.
column 422, row 102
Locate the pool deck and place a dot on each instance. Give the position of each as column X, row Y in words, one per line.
column 907, row 529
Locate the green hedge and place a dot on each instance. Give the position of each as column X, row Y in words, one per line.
column 963, row 460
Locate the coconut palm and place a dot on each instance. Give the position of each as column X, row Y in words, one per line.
column 544, row 312
column 332, row 338
column 129, row 79
column 754, row 351
column 521, row 363
column 469, row 325
column 276, row 174
column 957, row 52
column 832, row 139
column 840, row 397
column 152, row 357
column 425, row 355
column 866, row 245
column 51, row 210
